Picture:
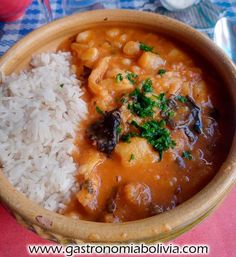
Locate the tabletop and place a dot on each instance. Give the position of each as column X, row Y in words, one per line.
column 219, row 229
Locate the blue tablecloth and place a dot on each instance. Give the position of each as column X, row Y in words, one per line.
column 202, row 16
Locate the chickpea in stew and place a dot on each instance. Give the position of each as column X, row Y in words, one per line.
column 157, row 130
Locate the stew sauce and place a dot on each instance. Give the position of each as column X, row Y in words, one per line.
column 157, row 129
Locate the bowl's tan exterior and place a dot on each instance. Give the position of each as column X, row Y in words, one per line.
column 158, row 228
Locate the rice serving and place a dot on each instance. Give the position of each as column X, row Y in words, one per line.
column 40, row 111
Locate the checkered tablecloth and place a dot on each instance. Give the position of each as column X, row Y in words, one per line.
column 202, row 16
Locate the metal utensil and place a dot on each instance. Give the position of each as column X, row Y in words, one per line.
column 225, row 36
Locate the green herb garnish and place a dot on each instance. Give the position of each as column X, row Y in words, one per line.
column 118, row 130
column 134, row 123
column 126, row 137
column 61, row 86
column 187, row 155
column 157, row 135
column 145, row 47
column 141, row 105
column 98, row 110
column 182, row 99
column 147, row 85
column 119, row 77
column 131, row 157
column 131, row 77
column 162, row 102
column 170, row 114
column 161, row 72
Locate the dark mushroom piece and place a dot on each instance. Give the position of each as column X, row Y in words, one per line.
column 192, row 124
column 104, row 132
column 196, row 113
column 214, row 113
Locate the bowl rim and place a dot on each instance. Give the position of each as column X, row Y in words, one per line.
column 163, row 226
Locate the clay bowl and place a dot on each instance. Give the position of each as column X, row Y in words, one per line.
column 163, row 227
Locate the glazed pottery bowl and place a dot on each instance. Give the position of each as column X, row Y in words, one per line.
column 162, row 227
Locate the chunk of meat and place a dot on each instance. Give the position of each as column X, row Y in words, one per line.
column 137, row 194
column 88, row 195
column 150, row 60
column 97, row 75
column 137, row 152
column 90, row 161
column 200, row 93
column 105, row 101
column 171, row 83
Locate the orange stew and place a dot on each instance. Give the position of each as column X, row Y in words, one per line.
column 156, row 131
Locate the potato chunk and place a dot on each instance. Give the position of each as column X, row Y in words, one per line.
column 113, row 32
column 88, row 195
column 78, row 48
column 177, row 55
column 137, row 194
column 91, row 54
column 97, row 75
column 137, row 152
column 131, row 48
column 112, row 86
column 84, row 36
column 150, row 60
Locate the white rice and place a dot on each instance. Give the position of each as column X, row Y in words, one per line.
column 40, row 111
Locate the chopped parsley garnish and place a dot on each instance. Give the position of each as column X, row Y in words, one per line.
column 162, row 102
column 131, row 77
column 161, row 72
column 147, row 85
column 170, row 114
column 98, row 110
column 131, row 157
column 126, row 137
column 134, row 123
column 118, row 130
column 187, row 155
column 61, row 86
column 181, row 98
column 145, row 47
column 119, row 77
column 141, row 105
column 157, row 135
